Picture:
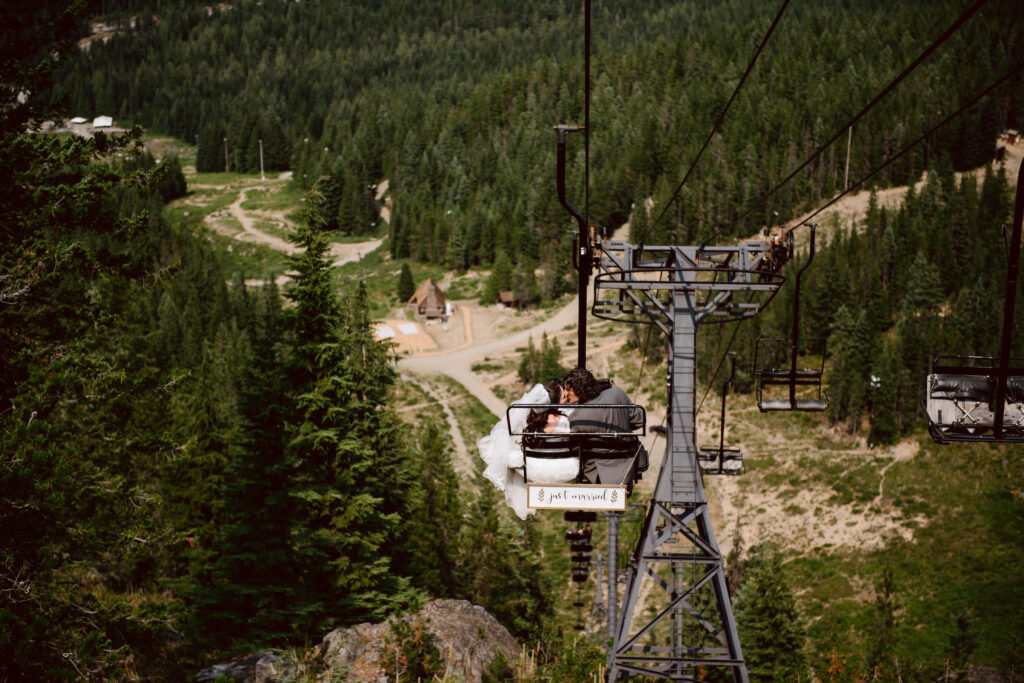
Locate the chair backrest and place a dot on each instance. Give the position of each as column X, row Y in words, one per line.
column 1015, row 390
column 548, row 446
column 962, row 387
column 605, row 446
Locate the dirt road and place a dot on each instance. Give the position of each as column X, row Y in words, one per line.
column 341, row 253
column 458, row 363
column 223, row 221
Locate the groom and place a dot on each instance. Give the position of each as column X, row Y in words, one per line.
column 581, row 387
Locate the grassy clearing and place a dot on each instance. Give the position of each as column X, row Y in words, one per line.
column 285, row 197
column 219, row 178
column 249, row 259
column 475, row 420
column 273, row 228
column 200, row 203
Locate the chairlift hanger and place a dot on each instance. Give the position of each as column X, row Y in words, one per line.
column 722, row 460
column 793, row 376
column 981, row 398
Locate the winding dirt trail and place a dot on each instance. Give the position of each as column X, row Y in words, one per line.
column 341, row 252
column 462, row 462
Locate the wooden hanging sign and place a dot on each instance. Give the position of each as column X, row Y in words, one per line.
column 576, row 497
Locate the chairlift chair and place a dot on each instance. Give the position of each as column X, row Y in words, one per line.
column 548, row 458
column 580, row 516
column 962, row 399
column 793, row 376
column 981, row 398
column 722, row 460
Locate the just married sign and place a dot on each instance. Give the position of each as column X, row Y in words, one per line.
column 576, row 497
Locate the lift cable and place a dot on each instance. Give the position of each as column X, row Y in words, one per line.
column 870, row 105
column 721, row 117
column 1009, row 74
column 586, row 112
column 714, row 376
column 711, row 135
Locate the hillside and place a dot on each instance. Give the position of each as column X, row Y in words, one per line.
column 841, row 511
column 207, row 451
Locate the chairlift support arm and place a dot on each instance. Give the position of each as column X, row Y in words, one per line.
column 1010, row 301
column 582, row 254
column 794, row 341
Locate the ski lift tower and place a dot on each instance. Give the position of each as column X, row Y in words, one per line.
column 678, row 289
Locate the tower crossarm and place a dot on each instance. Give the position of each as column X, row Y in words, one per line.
column 634, row 283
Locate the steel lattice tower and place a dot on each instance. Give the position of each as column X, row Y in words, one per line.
column 676, row 619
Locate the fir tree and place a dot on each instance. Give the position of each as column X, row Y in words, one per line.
column 885, row 636
column 342, row 468
column 406, row 285
column 499, row 280
column 769, row 625
column 434, row 556
column 246, row 598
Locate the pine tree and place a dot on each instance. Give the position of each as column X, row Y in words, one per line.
column 885, row 426
column 246, row 599
column 406, row 285
column 75, row 515
column 499, row 280
column 434, row 556
column 342, row 471
column 769, row 625
column 885, row 635
column 501, row 567
column 530, row 363
column 550, row 359
column 171, row 183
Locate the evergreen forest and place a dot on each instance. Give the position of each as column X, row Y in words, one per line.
column 193, row 467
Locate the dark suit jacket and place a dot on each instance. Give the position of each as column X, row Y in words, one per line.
column 616, row 470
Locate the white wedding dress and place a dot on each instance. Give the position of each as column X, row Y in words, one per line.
column 504, row 456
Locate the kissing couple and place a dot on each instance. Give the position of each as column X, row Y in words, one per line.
column 578, row 403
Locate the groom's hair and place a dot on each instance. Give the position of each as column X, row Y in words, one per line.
column 583, row 384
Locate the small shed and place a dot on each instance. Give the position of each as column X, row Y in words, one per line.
column 102, row 122
column 428, row 301
column 508, row 299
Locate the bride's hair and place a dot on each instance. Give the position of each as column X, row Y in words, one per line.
column 536, row 420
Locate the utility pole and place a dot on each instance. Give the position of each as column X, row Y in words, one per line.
column 226, row 169
column 262, row 177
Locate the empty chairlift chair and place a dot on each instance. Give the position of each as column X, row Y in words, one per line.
column 803, row 384
column 981, row 398
column 722, row 460
column 962, row 400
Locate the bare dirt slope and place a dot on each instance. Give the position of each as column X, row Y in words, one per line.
column 851, row 209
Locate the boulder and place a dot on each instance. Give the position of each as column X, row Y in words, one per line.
column 257, row 667
column 466, row 636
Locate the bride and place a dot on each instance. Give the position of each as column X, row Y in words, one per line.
column 504, row 456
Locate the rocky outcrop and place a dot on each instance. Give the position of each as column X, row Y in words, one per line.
column 466, row 636
column 257, row 666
